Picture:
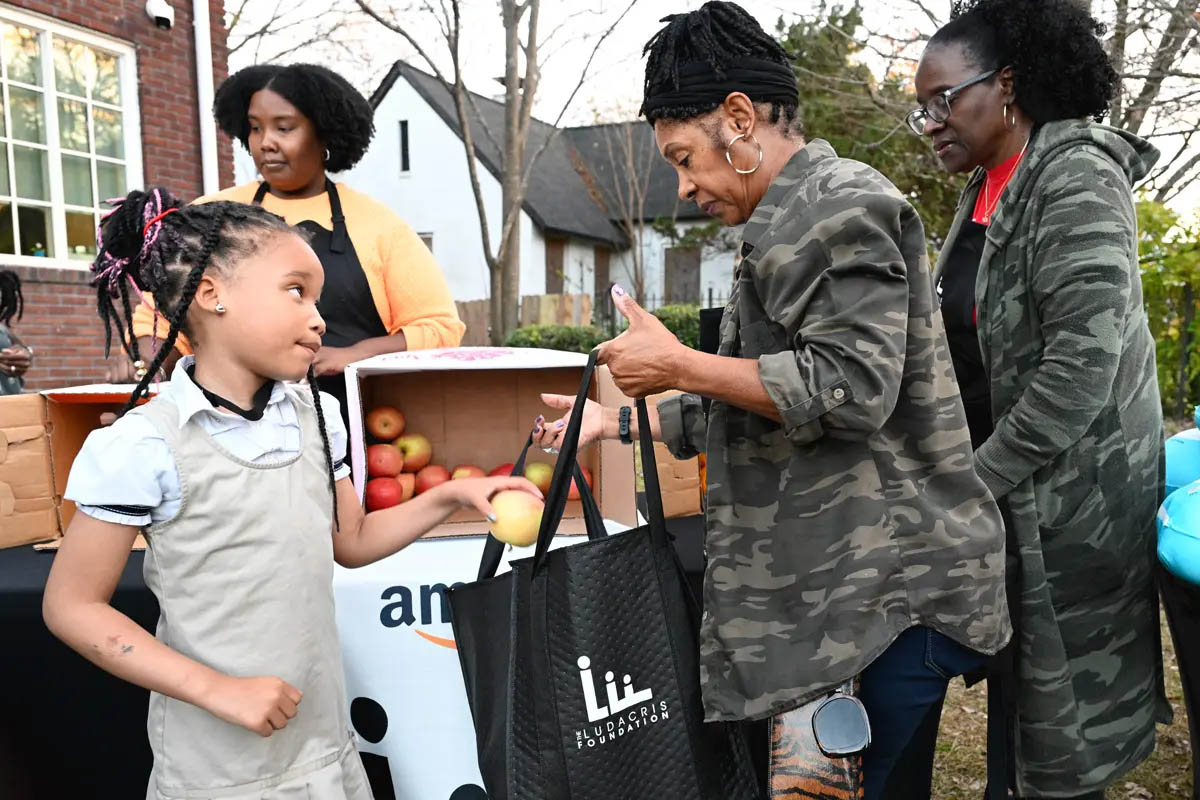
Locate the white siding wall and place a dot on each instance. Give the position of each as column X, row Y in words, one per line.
column 716, row 266
column 435, row 196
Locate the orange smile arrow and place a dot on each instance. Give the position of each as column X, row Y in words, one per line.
column 449, row 643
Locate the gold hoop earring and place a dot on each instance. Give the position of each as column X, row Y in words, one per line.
column 1004, row 112
column 729, row 157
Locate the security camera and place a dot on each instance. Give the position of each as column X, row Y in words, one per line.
column 161, row 12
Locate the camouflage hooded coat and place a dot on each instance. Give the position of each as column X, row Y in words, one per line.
column 860, row 515
column 1077, row 451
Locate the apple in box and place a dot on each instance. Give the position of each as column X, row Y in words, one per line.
column 502, row 471
column 467, row 471
column 573, row 493
column 408, row 484
column 383, row 493
column 385, row 423
column 431, row 476
column 416, row 449
column 384, row 461
column 540, row 474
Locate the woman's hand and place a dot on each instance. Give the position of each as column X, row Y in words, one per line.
column 596, row 423
column 645, row 359
column 477, row 493
column 334, row 360
column 15, row 361
column 120, row 370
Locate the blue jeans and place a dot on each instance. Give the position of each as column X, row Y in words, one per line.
column 903, row 691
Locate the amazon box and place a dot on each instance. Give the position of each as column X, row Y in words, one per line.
column 476, row 406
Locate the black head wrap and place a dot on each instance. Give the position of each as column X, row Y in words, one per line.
column 698, row 83
column 701, row 57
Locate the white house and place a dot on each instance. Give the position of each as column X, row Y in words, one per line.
column 569, row 242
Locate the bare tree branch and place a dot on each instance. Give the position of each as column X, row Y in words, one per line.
column 1164, row 56
column 1116, row 52
column 1176, row 178
column 583, row 75
column 458, row 91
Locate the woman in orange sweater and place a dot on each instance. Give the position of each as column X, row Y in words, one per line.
column 384, row 292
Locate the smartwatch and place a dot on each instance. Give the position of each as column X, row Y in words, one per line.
column 623, row 425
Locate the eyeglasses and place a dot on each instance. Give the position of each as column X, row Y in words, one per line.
column 938, row 106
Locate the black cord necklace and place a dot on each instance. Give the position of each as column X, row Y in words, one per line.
column 255, row 412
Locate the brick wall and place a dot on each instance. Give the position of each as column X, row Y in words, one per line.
column 60, row 320
column 61, row 326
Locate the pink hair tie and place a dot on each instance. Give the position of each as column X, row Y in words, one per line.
column 156, row 220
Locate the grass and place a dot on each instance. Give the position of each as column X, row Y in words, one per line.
column 959, row 767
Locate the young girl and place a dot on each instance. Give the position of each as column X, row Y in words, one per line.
column 237, row 478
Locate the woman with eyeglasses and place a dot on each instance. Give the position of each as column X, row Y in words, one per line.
column 1042, row 302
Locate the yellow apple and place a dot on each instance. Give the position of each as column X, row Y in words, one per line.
column 518, row 517
column 540, row 474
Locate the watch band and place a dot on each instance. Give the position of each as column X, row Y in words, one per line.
column 623, row 426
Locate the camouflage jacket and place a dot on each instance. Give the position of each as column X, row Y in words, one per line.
column 1077, row 452
column 859, row 516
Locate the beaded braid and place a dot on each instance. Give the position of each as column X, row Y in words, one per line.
column 316, row 395
column 132, row 347
column 718, row 34
column 12, row 301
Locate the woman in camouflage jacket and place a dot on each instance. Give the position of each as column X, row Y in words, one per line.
column 847, row 533
column 1042, row 302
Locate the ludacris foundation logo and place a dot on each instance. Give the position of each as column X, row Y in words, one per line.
column 626, row 710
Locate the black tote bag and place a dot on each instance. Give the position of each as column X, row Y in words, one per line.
column 582, row 664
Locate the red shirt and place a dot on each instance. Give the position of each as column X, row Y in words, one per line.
column 993, row 186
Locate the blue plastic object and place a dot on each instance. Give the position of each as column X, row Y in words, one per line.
column 1179, row 533
column 1183, row 458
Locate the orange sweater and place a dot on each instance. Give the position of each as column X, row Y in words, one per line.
column 406, row 283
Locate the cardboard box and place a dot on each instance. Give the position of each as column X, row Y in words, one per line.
column 682, row 490
column 477, row 405
column 39, row 437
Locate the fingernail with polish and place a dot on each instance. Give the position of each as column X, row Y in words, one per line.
column 559, row 424
column 491, row 517
column 618, row 290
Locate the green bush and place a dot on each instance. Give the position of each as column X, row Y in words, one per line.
column 683, row 321
column 1169, row 251
column 572, row 338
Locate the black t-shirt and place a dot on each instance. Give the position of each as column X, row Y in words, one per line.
column 956, row 288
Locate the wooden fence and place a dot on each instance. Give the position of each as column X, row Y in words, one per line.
column 543, row 309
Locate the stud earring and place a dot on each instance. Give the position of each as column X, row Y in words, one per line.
column 220, row 309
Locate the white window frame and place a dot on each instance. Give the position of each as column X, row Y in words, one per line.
column 47, row 28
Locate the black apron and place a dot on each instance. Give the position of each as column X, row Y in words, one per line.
column 346, row 304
